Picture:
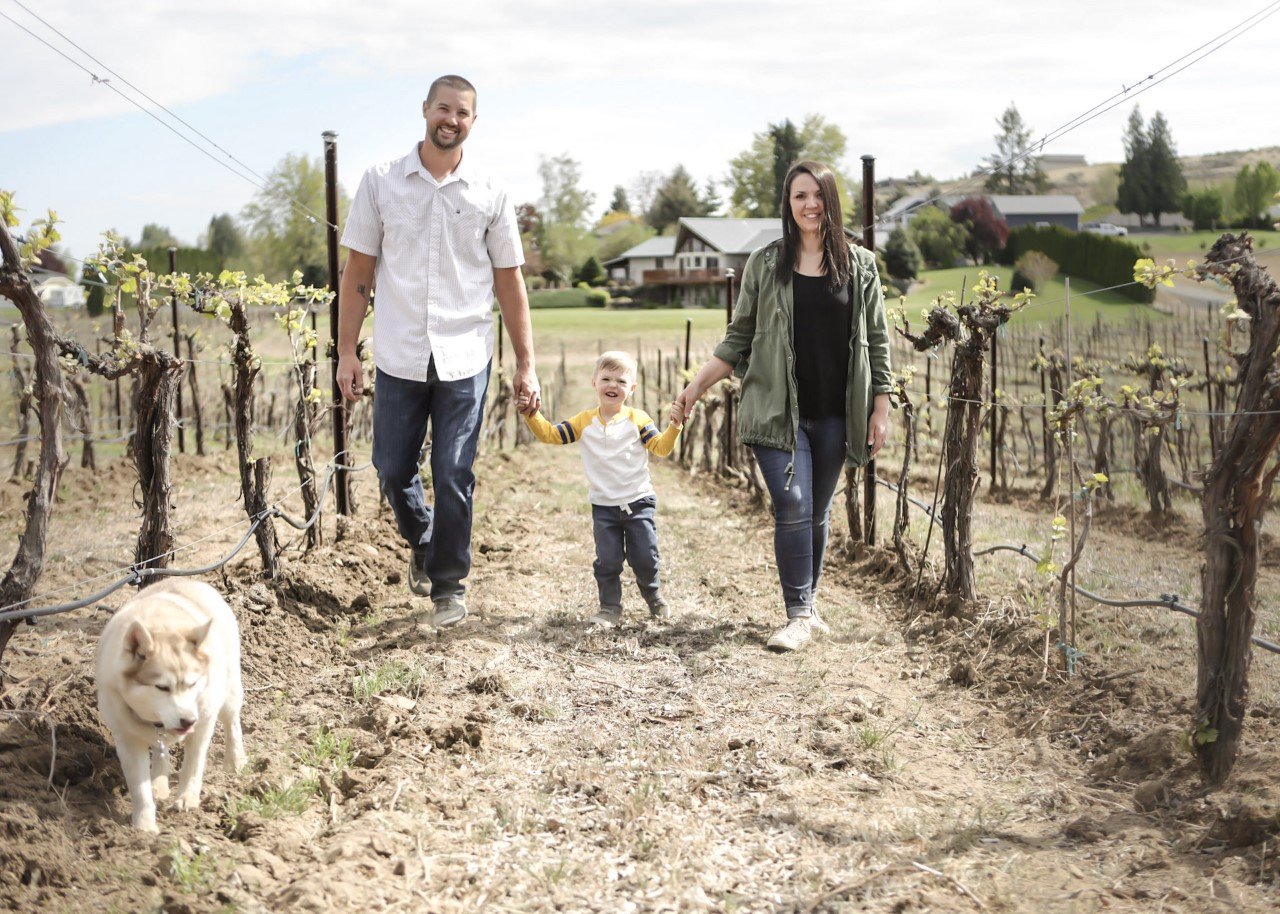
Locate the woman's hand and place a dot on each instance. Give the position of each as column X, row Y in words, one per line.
column 682, row 407
column 878, row 425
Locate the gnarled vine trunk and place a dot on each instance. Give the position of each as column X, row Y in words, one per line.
column 19, row 582
column 1237, row 488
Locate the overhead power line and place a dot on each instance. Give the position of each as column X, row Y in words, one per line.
column 1126, row 92
column 252, row 176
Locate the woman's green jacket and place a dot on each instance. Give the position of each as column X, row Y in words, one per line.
column 758, row 344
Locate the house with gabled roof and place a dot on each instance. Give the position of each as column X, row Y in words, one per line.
column 1016, row 209
column 692, row 268
column 651, row 254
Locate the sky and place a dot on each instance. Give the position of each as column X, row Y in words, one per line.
column 623, row 88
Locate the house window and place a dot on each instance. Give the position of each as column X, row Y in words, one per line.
column 657, row 262
column 713, row 263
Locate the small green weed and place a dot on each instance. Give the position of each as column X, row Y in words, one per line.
column 389, row 677
column 328, row 752
column 193, row 874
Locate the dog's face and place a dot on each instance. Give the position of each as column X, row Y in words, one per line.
column 164, row 675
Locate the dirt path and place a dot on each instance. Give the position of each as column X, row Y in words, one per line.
column 520, row 763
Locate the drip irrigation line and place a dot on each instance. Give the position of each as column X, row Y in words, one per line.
column 139, row 571
column 1166, row 601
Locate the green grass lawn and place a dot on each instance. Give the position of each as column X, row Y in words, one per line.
column 1049, row 305
column 1195, row 244
column 579, row 328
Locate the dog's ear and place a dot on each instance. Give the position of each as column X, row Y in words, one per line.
column 138, row 641
column 199, row 635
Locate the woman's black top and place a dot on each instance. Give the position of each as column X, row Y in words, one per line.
column 820, row 336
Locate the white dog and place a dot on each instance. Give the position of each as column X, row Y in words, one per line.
column 168, row 668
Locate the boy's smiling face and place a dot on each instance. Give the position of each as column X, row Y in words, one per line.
column 613, row 386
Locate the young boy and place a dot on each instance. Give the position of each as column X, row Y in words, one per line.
column 614, row 438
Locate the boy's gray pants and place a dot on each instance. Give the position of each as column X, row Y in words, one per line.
column 626, row 530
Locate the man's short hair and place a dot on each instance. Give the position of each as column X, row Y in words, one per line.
column 615, row 360
column 453, row 82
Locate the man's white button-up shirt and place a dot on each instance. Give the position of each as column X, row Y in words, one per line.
column 437, row 244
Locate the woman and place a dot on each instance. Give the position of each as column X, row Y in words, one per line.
column 808, row 338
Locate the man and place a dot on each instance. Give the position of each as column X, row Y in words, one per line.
column 438, row 238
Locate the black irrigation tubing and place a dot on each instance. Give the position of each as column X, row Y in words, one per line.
column 137, row 575
column 1166, row 601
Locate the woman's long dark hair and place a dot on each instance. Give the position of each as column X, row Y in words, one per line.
column 835, row 247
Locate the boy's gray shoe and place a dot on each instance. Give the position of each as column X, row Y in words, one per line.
column 607, row 617
column 419, row 583
column 659, row 611
column 448, row 612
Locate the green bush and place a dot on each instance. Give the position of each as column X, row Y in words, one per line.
column 902, row 257
column 559, row 298
column 1032, row 271
column 1102, row 259
column 598, row 298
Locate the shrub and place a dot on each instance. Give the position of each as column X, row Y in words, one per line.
column 1099, row 258
column 1032, row 271
column 1204, row 207
column 559, row 298
column 902, row 257
column 598, row 298
column 940, row 240
column 591, row 272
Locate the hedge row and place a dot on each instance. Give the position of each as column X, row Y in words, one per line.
column 1102, row 259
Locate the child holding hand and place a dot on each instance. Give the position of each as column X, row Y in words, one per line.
column 616, row 440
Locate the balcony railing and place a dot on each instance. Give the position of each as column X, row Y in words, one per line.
column 684, row 277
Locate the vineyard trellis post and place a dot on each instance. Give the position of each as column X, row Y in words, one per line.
column 20, row 580
column 869, row 242
column 342, row 460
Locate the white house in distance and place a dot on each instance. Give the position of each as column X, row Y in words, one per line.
column 57, row 291
column 652, row 254
column 691, row 266
column 1016, row 209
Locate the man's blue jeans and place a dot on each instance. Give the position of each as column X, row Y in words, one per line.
column 802, row 506
column 440, row 538
column 626, row 531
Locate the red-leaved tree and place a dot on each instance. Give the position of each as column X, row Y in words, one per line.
column 987, row 229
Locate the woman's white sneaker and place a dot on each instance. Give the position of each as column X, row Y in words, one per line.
column 792, row 636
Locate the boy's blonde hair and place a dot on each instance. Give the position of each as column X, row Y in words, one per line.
column 615, row 360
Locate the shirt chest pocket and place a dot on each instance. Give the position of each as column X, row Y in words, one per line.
column 404, row 219
column 468, row 218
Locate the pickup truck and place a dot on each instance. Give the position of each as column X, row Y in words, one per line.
column 1105, row 228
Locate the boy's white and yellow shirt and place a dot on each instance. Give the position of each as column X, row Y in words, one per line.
column 614, row 452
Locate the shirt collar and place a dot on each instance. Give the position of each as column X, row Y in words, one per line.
column 413, row 164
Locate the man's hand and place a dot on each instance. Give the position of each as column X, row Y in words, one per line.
column 527, row 392
column 350, row 378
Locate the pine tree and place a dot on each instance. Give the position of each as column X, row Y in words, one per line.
column 1133, row 194
column 1165, row 179
column 1013, row 169
column 678, row 196
column 620, row 203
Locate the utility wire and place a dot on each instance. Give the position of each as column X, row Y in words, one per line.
column 98, row 80
column 1126, row 92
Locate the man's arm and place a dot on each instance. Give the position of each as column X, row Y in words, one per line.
column 353, row 304
column 513, row 301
